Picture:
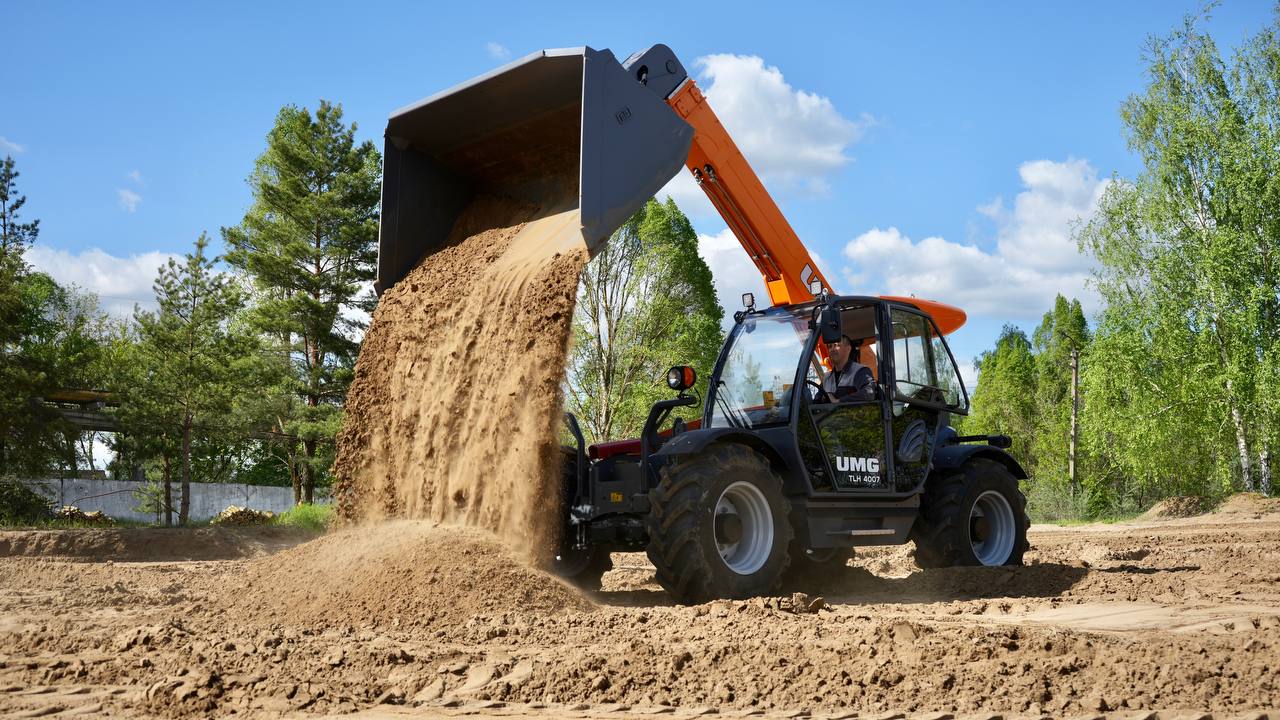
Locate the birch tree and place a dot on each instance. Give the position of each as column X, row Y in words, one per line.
column 1183, row 375
column 645, row 302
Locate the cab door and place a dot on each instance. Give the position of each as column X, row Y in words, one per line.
column 925, row 387
column 843, row 442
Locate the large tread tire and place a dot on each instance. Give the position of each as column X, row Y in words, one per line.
column 941, row 534
column 681, row 526
column 817, row 569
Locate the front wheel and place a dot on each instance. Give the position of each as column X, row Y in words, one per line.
column 718, row 526
column 976, row 516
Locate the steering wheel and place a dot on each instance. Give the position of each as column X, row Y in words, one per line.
column 821, row 395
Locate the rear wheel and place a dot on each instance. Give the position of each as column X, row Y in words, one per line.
column 718, row 526
column 975, row 516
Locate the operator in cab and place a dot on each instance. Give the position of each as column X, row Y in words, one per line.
column 849, row 379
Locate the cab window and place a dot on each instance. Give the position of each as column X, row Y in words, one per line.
column 858, row 323
column 923, row 369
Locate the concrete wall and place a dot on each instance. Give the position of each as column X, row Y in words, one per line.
column 116, row 499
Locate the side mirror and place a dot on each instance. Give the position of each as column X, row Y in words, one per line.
column 681, row 377
column 829, row 324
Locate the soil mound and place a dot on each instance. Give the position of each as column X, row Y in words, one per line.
column 1177, row 507
column 1248, row 503
column 455, row 407
column 149, row 544
column 407, row 573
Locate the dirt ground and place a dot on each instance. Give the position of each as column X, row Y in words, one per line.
column 1155, row 619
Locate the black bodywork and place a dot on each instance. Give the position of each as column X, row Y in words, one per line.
column 823, row 451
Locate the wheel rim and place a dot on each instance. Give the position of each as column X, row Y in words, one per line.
column 992, row 530
column 743, row 528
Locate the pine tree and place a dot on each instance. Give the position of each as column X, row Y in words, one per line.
column 49, row 339
column 309, row 245
column 15, row 236
column 193, row 365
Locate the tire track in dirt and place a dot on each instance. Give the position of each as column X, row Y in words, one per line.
column 1057, row 638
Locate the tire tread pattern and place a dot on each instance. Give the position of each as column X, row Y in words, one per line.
column 941, row 534
column 675, row 546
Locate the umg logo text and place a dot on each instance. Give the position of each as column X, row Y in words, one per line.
column 859, row 471
column 857, row 464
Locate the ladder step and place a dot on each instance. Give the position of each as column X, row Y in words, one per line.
column 864, row 533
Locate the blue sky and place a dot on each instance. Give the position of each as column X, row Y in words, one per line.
column 941, row 149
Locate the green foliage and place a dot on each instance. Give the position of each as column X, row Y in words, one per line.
column 1004, row 400
column 190, row 384
column 1182, row 379
column 50, row 338
column 15, row 236
column 1050, row 502
column 308, row 244
column 264, row 463
column 20, row 504
column 307, row 517
column 1063, row 331
column 646, row 302
column 1024, row 391
column 150, row 497
column 29, row 431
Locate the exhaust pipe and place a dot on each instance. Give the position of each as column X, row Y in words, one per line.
column 558, row 128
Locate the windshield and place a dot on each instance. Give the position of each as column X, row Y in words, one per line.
column 755, row 382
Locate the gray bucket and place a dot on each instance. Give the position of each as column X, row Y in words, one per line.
column 520, row 131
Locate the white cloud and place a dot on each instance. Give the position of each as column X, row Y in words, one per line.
column 1035, row 256
column 692, row 201
column 119, row 282
column 129, row 200
column 733, row 273
column 795, row 140
column 354, row 314
column 968, row 373
column 103, row 455
column 731, row 270
column 136, row 177
column 10, row 146
column 497, row 51
column 1038, row 229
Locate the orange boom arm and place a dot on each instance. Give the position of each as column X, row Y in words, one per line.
column 735, row 190
column 741, row 199
column 755, row 219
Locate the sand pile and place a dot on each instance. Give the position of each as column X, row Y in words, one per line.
column 1179, row 506
column 1249, row 503
column 150, row 544
column 454, row 411
column 404, row 574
